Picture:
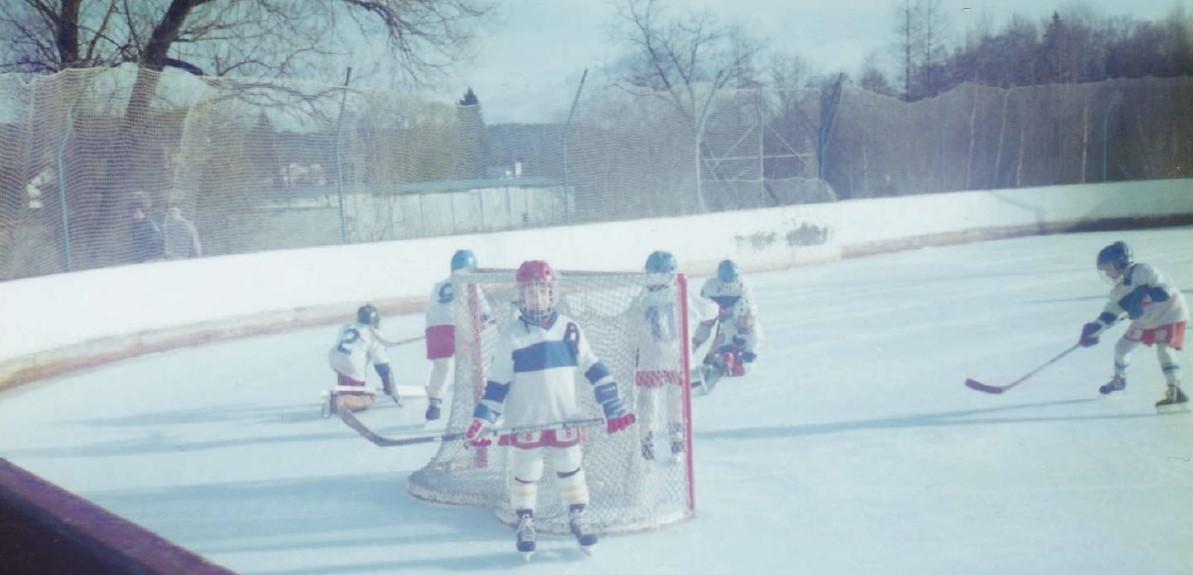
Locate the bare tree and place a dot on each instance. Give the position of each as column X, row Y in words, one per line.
column 258, row 38
column 246, row 38
column 920, row 28
column 905, row 32
column 871, row 77
column 685, row 61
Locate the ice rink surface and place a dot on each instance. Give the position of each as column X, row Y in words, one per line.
column 852, row 448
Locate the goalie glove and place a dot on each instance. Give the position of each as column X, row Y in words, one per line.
column 483, row 418
column 478, row 433
column 617, row 417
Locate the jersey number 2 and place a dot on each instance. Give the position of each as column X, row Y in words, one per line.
column 349, row 337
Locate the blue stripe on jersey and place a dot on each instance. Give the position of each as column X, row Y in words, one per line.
column 495, row 391
column 543, row 355
column 597, row 372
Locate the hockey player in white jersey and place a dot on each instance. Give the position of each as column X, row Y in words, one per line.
column 736, row 347
column 658, row 361
column 533, row 382
column 1158, row 317
column 441, row 332
column 357, row 345
column 725, row 289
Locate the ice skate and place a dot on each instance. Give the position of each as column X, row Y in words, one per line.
column 433, row 408
column 329, row 404
column 1174, row 400
column 583, row 536
column 648, row 447
column 524, row 534
column 1118, row 383
column 677, row 443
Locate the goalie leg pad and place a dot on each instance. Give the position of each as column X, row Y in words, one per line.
column 527, row 467
column 523, row 494
column 573, row 486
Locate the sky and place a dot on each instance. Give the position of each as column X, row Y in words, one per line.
column 853, row 446
column 530, row 60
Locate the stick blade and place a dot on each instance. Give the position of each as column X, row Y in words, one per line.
column 975, row 384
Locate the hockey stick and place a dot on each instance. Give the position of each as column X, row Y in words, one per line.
column 383, row 441
column 975, row 384
column 388, row 343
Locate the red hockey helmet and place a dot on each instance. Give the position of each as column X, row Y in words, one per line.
column 535, row 271
column 537, row 296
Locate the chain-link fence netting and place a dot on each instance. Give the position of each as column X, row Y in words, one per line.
column 110, row 166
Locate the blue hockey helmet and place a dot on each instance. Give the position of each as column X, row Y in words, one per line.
column 1117, row 255
column 661, row 262
column 463, row 260
column 368, row 315
column 727, row 271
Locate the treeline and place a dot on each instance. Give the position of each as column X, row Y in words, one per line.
column 1072, row 46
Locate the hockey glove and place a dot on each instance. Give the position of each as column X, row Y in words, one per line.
column 1089, row 334
column 734, row 367
column 617, row 417
column 1134, row 301
column 483, row 418
column 478, row 434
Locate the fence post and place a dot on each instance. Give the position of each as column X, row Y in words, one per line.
column 61, row 166
column 1114, row 98
column 567, row 128
column 761, row 148
column 340, row 158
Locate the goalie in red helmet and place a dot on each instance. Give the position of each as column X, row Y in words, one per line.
column 532, row 382
column 537, row 294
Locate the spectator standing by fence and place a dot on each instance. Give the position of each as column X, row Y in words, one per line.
column 181, row 237
column 144, row 234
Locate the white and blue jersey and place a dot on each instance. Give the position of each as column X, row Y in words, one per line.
column 659, row 342
column 532, row 380
column 439, row 308
column 1148, row 298
column 725, row 294
column 356, row 346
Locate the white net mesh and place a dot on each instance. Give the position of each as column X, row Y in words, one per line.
column 627, row 492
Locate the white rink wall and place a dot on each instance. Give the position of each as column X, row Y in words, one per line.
column 66, row 321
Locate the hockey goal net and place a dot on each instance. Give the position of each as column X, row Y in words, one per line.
column 628, row 492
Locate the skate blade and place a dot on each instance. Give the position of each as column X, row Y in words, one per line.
column 1173, row 409
column 527, row 555
column 586, row 550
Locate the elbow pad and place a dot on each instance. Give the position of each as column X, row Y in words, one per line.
column 489, row 407
column 598, row 373
column 1133, row 301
